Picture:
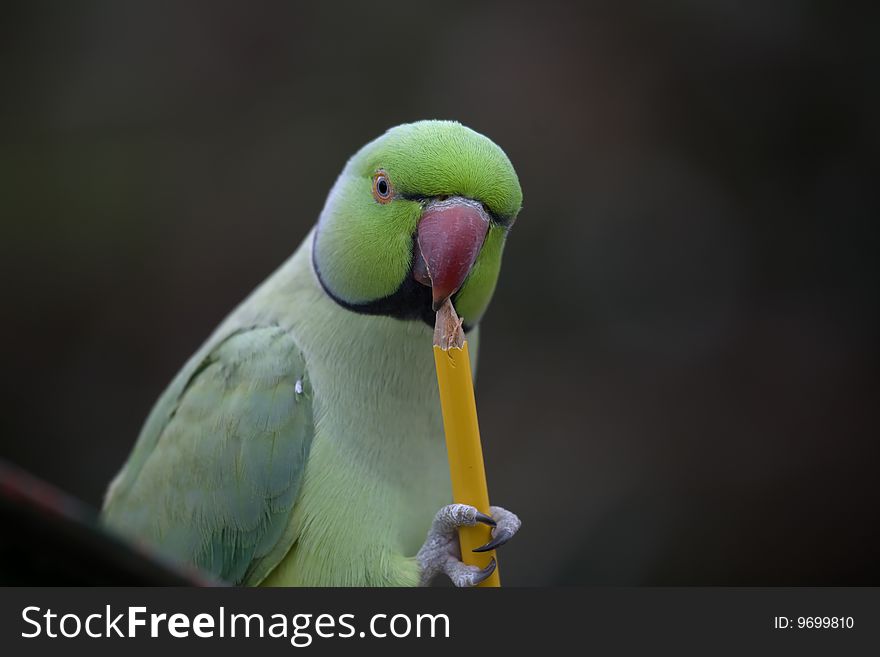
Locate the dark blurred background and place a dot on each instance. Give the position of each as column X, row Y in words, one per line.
column 679, row 374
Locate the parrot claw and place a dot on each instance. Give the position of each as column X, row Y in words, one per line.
column 506, row 525
column 441, row 551
column 484, row 573
column 501, row 537
column 483, row 518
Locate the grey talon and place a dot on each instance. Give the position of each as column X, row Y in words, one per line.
column 502, row 538
column 441, row 551
column 485, row 573
column 483, row 518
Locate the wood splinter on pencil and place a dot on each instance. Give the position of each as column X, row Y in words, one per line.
column 462, row 430
column 448, row 330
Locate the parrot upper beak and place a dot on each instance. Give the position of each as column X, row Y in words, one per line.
column 449, row 238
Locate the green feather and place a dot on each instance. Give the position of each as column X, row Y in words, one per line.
column 223, row 470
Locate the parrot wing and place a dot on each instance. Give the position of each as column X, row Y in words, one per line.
column 218, row 466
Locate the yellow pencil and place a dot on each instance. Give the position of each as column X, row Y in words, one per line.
column 462, row 435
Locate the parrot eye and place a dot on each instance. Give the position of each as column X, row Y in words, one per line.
column 382, row 191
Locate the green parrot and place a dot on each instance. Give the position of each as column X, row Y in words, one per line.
column 302, row 444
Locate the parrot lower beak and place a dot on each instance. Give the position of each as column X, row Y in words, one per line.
column 449, row 238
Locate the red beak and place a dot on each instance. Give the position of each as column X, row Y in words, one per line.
column 449, row 238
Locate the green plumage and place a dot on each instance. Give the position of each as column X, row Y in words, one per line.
column 303, row 443
column 222, row 457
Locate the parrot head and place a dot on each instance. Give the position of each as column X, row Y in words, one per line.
column 417, row 216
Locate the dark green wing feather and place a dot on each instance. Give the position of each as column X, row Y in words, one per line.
column 218, row 466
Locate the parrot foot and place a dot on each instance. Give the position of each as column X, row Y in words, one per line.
column 441, row 551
